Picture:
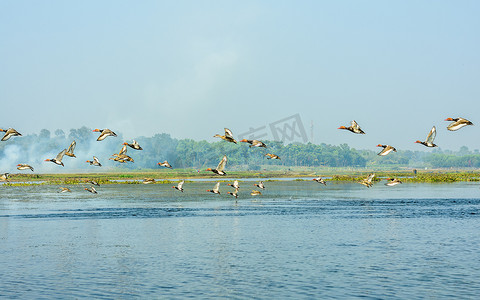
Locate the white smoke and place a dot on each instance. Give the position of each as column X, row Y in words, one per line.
column 11, row 154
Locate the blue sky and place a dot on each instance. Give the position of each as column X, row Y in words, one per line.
column 191, row 68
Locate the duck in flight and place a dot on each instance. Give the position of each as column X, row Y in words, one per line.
column 457, row 123
column 254, row 143
column 179, row 186
column 24, row 167
column 148, row 180
column 70, row 149
column 9, row 133
column 220, row 167
column 91, row 190
column 58, row 159
column 104, row 133
column 272, row 156
column 64, row 190
column 392, row 181
column 319, row 180
column 4, row 177
column 234, row 194
column 134, row 145
column 430, row 138
column 94, row 162
column 216, row 189
column 386, row 149
column 235, row 184
column 165, row 164
column 368, row 182
column 260, row 185
column 353, row 128
column 227, row 137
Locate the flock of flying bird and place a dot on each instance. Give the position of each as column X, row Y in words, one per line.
column 122, row 156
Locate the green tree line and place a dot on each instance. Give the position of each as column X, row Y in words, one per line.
column 188, row 153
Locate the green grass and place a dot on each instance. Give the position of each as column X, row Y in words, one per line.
column 172, row 176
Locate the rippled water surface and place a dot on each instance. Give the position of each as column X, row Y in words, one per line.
column 296, row 240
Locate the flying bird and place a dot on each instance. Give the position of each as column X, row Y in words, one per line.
column 165, row 164
column 216, row 189
column 260, row 185
column 319, row 180
column 134, row 145
column 148, row 180
column 93, row 182
column 4, row 177
column 70, row 149
column 254, row 143
column 457, row 123
column 58, row 160
column 272, row 156
column 91, row 190
column 227, row 137
column 9, row 133
column 234, row 194
column 24, row 167
column 64, row 190
column 353, row 128
column 430, row 137
column 220, row 167
column 392, row 181
column 235, row 184
column 386, row 149
column 255, row 193
column 104, row 133
column 123, row 158
column 179, row 186
column 94, row 162
column 368, row 181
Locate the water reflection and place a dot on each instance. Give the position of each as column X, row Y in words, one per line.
column 296, row 240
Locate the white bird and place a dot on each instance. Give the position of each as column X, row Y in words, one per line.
column 260, row 185
column 386, row 149
column 430, row 137
column 216, row 189
column 353, row 128
column 134, row 145
column 148, row 180
column 24, row 167
column 4, row 177
column 9, row 133
column 70, row 149
column 91, row 190
column 64, row 190
column 392, row 181
column 368, row 181
column 165, row 164
column 235, row 184
column 58, row 160
column 220, row 167
column 179, row 186
column 319, row 180
column 227, row 137
column 95, row 162
column 234, row 194
column 457, row 123
column 104, row 133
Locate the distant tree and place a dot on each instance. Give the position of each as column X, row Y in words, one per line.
column 44, row 134
column 60, row 133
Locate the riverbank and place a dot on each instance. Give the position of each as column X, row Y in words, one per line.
column 169, row 176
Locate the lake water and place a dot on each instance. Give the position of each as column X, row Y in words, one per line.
column 299, row 240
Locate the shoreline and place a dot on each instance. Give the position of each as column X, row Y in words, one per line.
column 168, row 177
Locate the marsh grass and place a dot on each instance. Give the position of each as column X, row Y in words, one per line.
column 173, row 176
